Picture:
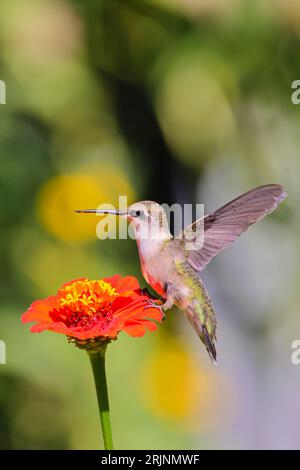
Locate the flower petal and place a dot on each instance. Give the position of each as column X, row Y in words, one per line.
column 135, row 329
column 39, row 310
column 122, row 285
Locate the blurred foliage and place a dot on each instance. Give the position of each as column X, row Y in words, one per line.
column 176, row 101
column 27, row 417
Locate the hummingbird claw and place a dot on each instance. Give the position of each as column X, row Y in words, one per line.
column 153, row 304
column 167, row 305
column 156, row 302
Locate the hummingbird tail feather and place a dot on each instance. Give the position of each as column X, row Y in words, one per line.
column 201, row 315
column 209, row 344
column 202, row 331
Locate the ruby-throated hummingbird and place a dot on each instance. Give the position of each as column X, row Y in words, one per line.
column 172, row 269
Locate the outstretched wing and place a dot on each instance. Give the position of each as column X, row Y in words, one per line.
column 224, row 225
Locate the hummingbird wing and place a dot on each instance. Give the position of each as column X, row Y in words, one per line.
column 224, row 225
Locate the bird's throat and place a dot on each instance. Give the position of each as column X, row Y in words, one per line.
column 150, row 253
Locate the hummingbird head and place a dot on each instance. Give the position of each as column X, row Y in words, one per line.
column 147, row 219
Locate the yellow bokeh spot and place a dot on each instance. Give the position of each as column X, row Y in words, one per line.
column 175, row 388
column 62, row 195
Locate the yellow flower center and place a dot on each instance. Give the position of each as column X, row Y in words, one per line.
column 86, row 295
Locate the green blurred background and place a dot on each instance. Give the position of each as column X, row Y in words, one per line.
column 170, row 100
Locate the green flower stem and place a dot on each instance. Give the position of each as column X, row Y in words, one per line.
column 97, row 360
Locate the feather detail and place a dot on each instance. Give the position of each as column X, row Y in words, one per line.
column 224, row 225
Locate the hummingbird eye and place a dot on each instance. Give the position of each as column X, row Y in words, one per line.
column 137, row 213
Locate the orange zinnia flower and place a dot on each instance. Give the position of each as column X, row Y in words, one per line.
column 95, row 311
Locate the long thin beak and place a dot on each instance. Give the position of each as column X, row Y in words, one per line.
column 102, row 211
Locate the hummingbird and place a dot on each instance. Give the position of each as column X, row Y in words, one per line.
column 173, row 270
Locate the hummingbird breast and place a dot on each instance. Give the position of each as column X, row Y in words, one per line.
column 156, row 264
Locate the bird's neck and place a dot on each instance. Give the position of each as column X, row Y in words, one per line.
column 149, row 248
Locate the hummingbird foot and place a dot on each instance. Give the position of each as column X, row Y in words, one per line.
column 167, row 305
column 155, row 304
